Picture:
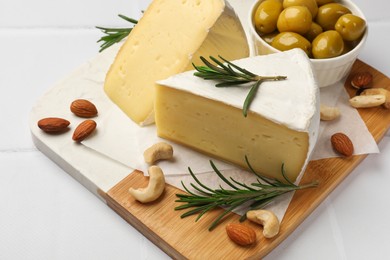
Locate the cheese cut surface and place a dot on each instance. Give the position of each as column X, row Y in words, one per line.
column 170, row 35
column 281, row 127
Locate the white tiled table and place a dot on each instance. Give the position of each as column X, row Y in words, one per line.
column 45, row 214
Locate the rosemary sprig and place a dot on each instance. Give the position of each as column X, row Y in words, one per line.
column 232, row 75
column 114, row 35
column 258, row 194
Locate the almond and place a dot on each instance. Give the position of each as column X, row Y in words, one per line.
column 83, row 130
column 83, row 108
column 53, row 124
column 361, row 79
column 241, row 234
column 342, row 144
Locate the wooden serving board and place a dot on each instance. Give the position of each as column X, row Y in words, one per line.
column 158, row 221
column 185, row 239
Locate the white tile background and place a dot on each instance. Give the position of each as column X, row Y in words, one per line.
column 45, row 214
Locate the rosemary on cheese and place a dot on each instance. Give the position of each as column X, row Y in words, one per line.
column 232, row 75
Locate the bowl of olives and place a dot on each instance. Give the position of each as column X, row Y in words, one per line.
column 331, row 32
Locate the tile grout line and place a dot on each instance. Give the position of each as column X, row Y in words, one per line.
column 48, row 29
column 92, row 27
column 18, row 150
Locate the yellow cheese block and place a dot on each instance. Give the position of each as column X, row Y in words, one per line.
column 170, row 35
column 220, row 130
column 281, row 127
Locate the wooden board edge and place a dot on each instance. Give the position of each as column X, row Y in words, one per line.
column 138, row 215
column 295, row 221
column 378, row 135
column 137, row 223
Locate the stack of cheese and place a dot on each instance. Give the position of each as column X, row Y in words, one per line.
column 282, row 125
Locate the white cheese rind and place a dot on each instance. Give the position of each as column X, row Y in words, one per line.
column 290, row 102
column 282, row 125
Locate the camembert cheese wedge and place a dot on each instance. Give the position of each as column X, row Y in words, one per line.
column 281, row 127
column 170, row 35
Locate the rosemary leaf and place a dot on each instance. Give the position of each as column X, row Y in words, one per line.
column 229, row 83
column 249, row 98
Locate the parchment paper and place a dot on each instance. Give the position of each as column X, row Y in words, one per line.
column 124, row 141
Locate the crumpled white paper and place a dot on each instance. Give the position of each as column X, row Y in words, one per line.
column 349, row 123
column 124, row 141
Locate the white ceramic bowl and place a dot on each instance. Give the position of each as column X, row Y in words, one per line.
column 328, row 71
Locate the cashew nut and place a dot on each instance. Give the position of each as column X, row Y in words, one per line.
column 367, row 101
column 329, row 113
column 158, row 151
column 154, row 189
column 379, row 91
column 267, row 219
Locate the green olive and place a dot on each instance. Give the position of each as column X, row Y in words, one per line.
column 266, row 16
column 350, row 27
column 314, row 31
column 328, row 44
column 348, row 46
column 328, row 15
column 289, row 40
column 323, row 2
column 269, row 37
column 295, row 19
column 310, row 4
